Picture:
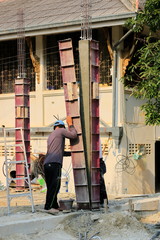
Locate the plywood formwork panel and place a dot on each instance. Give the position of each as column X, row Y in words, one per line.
column 95, row 140
column 22, row 120
column 72, row 109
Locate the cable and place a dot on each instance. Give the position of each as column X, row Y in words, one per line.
column 95, row 237
column 28, row 58
column 125, row 163
column 44, row 49
column 3, row 166
column 155, row 235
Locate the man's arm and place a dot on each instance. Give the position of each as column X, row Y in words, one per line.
column 71, row 133
column 69, row 121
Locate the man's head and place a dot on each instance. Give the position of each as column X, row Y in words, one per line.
column 59, row 123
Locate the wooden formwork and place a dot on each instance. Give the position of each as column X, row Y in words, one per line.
column 22, row 120
column 72, row 109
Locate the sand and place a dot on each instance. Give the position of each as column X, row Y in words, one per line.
column 105, row 224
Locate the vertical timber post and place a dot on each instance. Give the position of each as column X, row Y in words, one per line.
column 89, row 67
column 84, row 52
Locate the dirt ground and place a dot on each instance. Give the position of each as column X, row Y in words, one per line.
column 105, row 224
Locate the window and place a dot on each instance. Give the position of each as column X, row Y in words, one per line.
column 9, row 67
column 53, row 69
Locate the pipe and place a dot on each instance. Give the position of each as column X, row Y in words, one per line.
column 114, row 89
column 114, row 78
column 122, row 39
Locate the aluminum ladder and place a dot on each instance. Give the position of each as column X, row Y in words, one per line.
column 9, row 143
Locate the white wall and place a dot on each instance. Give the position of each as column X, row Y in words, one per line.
column 137, row 132
column 44, row 104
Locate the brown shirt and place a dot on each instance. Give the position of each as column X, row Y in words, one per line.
column 56, row 143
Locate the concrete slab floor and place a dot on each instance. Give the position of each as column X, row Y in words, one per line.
column 22, row 224
column 31, row 224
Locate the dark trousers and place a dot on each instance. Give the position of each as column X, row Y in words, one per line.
column 103, row 192
column 52, row 173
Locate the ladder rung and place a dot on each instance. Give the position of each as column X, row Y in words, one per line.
column 19, row 195
column 79, row 168
column 19, row 145
column 19, row 178
column 81, row 185
column 15, row 145
column 16, row 162
column 77, row 151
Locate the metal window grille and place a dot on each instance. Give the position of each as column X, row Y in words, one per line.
column 133, row 148
column 10, row 150
column 54, row 75
column 9, row 67
column 105, row 75
column 104, row 147
column 53, row 69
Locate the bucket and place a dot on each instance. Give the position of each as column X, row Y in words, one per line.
column 66, row 204
column 64, row 185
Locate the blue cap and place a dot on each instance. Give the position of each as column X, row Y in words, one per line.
column 58, row 123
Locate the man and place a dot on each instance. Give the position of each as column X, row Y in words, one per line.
column 103, row 192
column 54, row 160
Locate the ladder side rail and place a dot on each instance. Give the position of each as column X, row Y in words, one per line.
column 27, row 170
column 26, row 178
column 6, row 169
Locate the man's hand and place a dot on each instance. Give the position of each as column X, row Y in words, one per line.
column 69, row 121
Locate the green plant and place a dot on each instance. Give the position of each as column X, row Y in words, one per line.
column 143, row 74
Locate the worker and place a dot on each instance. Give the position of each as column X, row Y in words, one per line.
column 54, row 160
column 103, row 192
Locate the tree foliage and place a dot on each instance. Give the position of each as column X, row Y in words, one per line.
column 145, row 71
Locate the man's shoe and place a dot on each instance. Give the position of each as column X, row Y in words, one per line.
column 60, row 209
column 53, row 211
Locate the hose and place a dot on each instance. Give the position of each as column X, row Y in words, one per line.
column 95, row 237
column 155, row 235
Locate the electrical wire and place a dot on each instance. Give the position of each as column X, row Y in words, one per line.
column 3, row 167
column 44, row 49
column 154, row 237
column 28, row 58
column 126, row 164
column 95, row 237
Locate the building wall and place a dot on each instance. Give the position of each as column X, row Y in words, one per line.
column 135, row 132
column 138, row 177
